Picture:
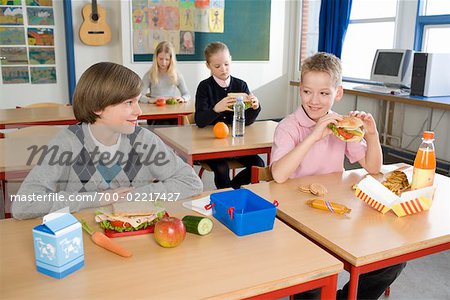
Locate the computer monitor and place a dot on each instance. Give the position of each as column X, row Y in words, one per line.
column 392, row 67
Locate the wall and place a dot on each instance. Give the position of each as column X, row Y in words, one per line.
column 27, row 93
column 267, row 80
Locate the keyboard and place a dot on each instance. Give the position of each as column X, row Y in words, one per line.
column 380, row 89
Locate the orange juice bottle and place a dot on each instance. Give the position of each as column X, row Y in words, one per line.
column 425, row 163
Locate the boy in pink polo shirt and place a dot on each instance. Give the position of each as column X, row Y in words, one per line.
column 304, row 145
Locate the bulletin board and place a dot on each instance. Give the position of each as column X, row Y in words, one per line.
column 27, row 46
column 246, row 33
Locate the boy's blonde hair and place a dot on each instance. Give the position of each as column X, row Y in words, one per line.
column 323, row 62
column 102, row 85
column 213, row 48
column 168, row 48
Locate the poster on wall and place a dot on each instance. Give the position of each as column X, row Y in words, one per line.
column 42, row 56
column 41, row 75
column 12, row 36
column 15, row 75
column 40, row 16
column 27, row 40
column 175, row 21
column 11, row 15
column 14, row 56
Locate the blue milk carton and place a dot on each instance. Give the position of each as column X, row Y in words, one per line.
column 58, row 245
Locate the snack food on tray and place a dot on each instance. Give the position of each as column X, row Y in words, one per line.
column 397, row 182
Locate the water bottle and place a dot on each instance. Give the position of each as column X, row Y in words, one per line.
column 425, row 163
column 239, row 117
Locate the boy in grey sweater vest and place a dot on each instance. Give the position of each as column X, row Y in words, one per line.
column 107, row 157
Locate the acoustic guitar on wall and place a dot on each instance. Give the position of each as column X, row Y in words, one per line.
column 94, row 30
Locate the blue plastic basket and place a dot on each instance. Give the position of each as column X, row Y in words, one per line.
column 242, row 211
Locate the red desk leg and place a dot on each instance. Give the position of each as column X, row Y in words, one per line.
column 327, row 284
column 329, row 290
column 353, row 285
column 180, row 120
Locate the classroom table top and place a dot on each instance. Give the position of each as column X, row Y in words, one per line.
column 15, row 151
column 12, row 118
column 364, row 235
column 220, row 265
column 192, row 140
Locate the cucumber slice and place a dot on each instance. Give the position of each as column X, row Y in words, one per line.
column 198, row 225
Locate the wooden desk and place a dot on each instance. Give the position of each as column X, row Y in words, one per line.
column 16, row 118
column 193, row 143
column 365, row 240
column 429, row 102
column 221, row 265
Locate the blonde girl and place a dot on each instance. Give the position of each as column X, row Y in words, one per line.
column 163, row 80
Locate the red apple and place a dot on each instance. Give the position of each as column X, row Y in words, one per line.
column 160, row 102
column 169, row 232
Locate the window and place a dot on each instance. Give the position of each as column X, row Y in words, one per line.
column 371, row 27
column 433, row 26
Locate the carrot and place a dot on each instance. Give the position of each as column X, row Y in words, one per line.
column 105, row 242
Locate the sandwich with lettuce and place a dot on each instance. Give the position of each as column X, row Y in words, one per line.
column 349, row 129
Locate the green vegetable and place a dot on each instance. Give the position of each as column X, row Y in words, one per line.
column 198, row 225
column 171, row 101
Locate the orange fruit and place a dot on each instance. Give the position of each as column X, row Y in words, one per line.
column 221, row 130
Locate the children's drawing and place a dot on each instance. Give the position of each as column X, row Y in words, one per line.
column 40, row 16
column 40, row 36
column 11, row 15
column 173, row 36
column 12, row 36
column 14, row 56
column 140, row 41
column 42, row 75
column 42, row 56
column 201, row 23
column 156, row 17
column 216, row 20
column 157, row 37
column 217, row 4
column 202, row 3
column 172, row 18
column 39, row 2
column 10, row 2
column 187, row 19
column 140, row 18
column 187, row 42
column 12, row 75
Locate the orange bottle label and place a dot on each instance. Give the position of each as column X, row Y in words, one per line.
column 422, row 178
column 425, row 159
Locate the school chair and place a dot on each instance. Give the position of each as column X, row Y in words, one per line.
column 232, row 164
column 261, row 174
column 43, row 104
column 15, row 143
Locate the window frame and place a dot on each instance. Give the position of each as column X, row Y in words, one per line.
column 422, row 21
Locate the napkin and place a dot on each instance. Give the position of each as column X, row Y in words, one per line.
column 198, row 205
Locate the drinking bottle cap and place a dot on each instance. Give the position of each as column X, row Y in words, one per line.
column 428, row 135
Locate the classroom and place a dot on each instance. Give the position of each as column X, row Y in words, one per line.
column 302, row 149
